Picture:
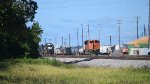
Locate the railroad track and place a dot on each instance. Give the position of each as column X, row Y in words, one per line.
column 146, row 57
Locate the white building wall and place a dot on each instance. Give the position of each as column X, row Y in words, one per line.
column 142, row 51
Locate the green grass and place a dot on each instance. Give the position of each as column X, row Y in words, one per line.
column 45, row 71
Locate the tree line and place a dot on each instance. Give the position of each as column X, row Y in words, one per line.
column 17, row 40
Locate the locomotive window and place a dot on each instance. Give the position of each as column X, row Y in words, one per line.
column 51, row 45
column 85, row 42
column 96, row 41
column 91, row 42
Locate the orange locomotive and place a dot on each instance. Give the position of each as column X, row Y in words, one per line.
column 92, row 47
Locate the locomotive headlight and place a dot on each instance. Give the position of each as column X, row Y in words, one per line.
column 49, row 47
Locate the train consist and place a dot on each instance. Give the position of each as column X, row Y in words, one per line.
column 91, row 47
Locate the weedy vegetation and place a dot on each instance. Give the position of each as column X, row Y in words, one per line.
column 41, row 71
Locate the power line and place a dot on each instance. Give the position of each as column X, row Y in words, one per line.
column 84, row 3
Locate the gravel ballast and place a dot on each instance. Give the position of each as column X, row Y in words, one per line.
column 115, row 63
column 118, row 63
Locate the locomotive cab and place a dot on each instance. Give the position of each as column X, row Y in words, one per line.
column 92, row 47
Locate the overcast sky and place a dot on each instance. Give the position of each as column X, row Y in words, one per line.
column 58, row 18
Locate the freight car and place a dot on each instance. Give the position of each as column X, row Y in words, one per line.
column 63, row 50
column 66, row 50
column 92, row 47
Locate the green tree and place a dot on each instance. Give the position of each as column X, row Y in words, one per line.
column 35, row 38
column 14, row 34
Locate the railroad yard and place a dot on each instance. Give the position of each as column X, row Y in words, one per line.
column 75, row 41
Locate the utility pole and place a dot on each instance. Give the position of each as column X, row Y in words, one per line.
column 88, row 32
column 148, row 36
column 77, row 41
column 99, row 37
column 62, row 41
column 119, row 23
column 144, row 30
column 45, row 41
column 69, row 39
column 82, row 34
column 149, row 27
column 137, row 26
column 110, row 40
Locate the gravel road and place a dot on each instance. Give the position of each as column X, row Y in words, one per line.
column 107, row 62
